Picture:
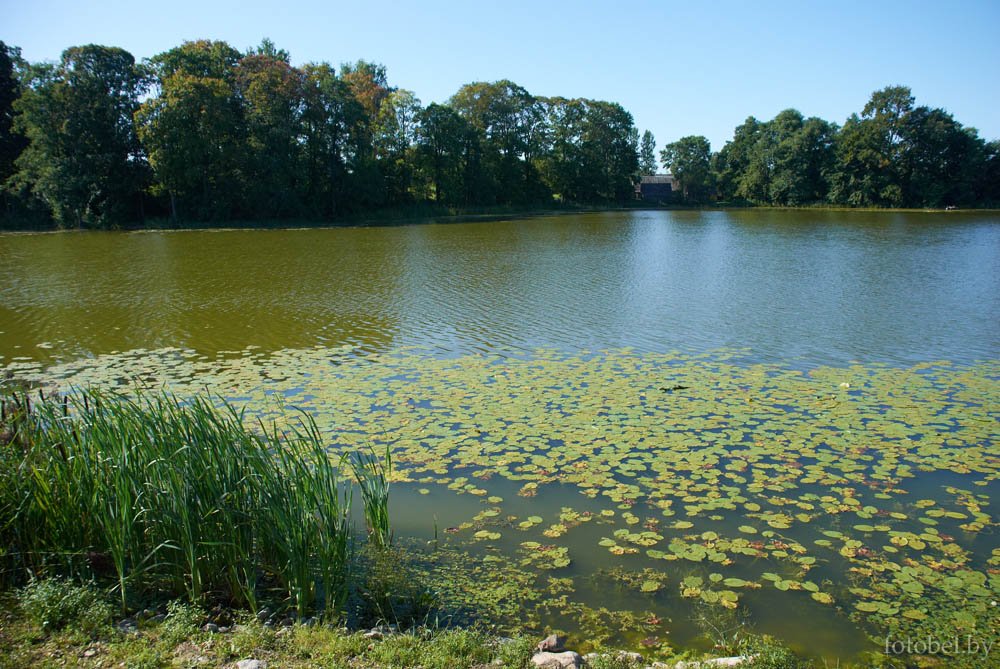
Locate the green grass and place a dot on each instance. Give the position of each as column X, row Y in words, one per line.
column 168, row 498
column 180, row 641
column 56, row 604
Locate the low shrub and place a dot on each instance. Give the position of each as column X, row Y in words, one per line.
column 54, row 604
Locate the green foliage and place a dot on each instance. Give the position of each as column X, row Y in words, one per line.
column 182, row 621
column 591, row 150
column 372, row 474
column 84, row 158
column 175, row 497
column 12, row 143
column 451, row 648
column 247, row 136
column 613, row 660
column 391, row 592
column 647, row 154
column 54, row 604
column 515, row 653
column 251, row 637
column 191, row 130
column 891, row 155
column 230, row 135
column 690, row 160
column 446, row 147
column 769, row 653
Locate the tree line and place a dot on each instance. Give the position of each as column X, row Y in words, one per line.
column 894, row 154
column 205, row 132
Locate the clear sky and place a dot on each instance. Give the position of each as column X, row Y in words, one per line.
column 685, row 68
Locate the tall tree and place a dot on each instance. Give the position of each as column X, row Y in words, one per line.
column 510, row 121
column 441, row 147
column 562, row 153
column 870, row 152
column 647, row 154
column 690, row 160
column 12, row 143
column 270, row 92
column 330, row 115
column 194, row 130
column 733, row 161
column 988, row 183
column 802, row 153
column 610, row 152
column 395, row 136
column 84, row 159
column 941, row 161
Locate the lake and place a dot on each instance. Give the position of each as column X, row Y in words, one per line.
column 625, row 421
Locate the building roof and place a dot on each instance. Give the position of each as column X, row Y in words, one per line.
column 658, row 179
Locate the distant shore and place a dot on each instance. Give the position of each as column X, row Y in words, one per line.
column 424, row 214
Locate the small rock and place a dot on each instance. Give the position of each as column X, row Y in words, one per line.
column 126, row 626
column 223, row 630
column 380, row 631
column 554, row 643
column 264, row 614
column 565, row 660
column 158, row 618
column 288, row 622
column 90, row 652
column 211, row 627
column 251, row 664
column 147, row 614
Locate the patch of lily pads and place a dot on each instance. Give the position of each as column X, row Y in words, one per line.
column 882, row 479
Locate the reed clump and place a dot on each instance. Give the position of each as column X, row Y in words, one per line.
column 170, row 498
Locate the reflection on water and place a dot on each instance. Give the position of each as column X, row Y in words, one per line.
column 826, row 287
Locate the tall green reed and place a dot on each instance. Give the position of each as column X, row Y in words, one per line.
column 174, row 496
column 372, row 474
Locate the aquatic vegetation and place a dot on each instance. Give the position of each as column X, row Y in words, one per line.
column 177, row 497
column 372, row 474
column 864, row 491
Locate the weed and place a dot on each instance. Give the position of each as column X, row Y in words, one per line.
column 54, row 604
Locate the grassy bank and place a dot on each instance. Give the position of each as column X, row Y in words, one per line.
column 55, row 623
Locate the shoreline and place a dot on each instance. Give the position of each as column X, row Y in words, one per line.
column 401, row 218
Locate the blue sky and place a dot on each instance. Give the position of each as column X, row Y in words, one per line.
column 680, row 68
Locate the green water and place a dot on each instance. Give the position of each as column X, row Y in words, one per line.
column 736, row 385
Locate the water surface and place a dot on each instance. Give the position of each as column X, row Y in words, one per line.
column 826, row 287
column 804, row 404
